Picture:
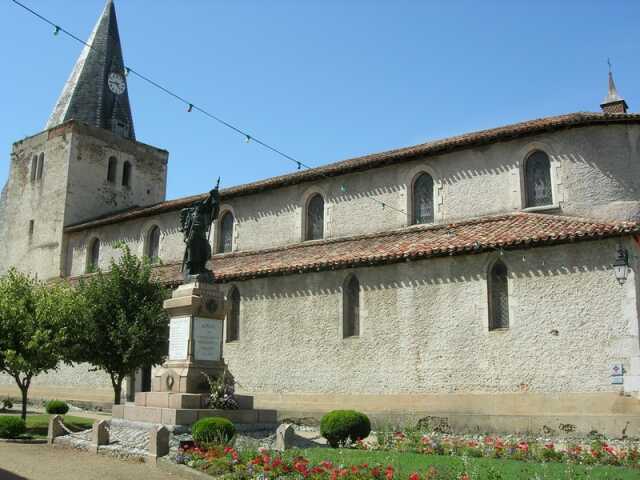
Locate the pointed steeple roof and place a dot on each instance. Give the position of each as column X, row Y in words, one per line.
column 613, row 103
column 86, row 96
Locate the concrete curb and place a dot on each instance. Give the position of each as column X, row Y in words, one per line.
column 181, row 471
column 24, row 441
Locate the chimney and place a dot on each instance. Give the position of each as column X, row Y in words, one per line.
column 613, row 103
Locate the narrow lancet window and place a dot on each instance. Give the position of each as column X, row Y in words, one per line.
column 34, row 167
column 126, row 174
column 153, row 244
column 225, row 238
column 538, row 180
column 351, row 307
column 498, row 287
column 94, row 256
column 315, row 218
column 40, row 166
column 233, row 316
column 111, row 169
column 423, row 199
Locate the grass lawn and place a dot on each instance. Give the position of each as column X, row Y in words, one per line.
column 37, row 425
column 478, row 468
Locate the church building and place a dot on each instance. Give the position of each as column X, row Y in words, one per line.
column 487, row 279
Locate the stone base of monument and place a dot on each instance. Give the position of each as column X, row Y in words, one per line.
column 183, row 409
column 179, row 387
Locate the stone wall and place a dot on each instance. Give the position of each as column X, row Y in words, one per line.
column 595, row 174
column 424, row 329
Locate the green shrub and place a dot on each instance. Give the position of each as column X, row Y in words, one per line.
column 12, row 427
column 339, row 425
column 213, row 430
column 57, row 406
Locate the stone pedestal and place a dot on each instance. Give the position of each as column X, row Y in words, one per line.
column 197, row 311
column 179, row 390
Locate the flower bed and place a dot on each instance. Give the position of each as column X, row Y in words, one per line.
column 219, row 461
column 355, row 464
column 595, row 452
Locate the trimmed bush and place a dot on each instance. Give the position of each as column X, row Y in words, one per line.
column 12, row 427
column 57, row 407
column 339, row 425
column 213, row 430
column 7, row 404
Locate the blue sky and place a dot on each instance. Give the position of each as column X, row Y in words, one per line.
column 323, row 80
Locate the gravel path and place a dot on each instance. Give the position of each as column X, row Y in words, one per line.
column 40, row 462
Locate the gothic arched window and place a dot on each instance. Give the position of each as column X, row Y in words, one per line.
column 153, row 244
column 34, row 167
column 40, row 166
column 351, row 307
column 225, row 237
column 233, row 316
column 498, row 287
column 126, row 174
column 93, row 259
column 315, row 218
column 423, row 199
column 111, row 169
column 538, row 180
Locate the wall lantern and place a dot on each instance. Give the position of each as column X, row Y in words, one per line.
column 621, row 265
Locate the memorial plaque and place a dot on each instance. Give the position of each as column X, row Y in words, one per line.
column 179, row 338
column 207, row 334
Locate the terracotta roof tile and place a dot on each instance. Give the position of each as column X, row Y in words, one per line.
column 518, row 230
column 436, row 147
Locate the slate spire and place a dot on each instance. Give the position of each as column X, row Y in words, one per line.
column 96, row 91
column 613, row 103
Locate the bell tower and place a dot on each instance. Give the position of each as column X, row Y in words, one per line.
column 86, row 164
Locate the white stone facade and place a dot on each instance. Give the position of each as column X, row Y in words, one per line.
column 423, row 324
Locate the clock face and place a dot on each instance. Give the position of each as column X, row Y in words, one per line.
column 116, row 83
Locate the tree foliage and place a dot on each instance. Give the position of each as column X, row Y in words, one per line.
column 123, row 326
column 34, row 320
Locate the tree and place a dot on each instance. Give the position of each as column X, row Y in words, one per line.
column 123, row 326
column 34, row 320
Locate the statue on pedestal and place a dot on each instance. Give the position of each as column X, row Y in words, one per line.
column 195, row 224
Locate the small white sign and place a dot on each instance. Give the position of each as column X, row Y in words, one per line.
column 616, row 369
column 179, row 338
column 207, row 334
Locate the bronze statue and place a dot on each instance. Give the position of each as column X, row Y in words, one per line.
column 195, row 224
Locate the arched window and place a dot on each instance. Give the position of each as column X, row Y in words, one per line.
column 111, row 169
column 225, row 237
column 153, row 244
column 538, row 180
column 315, row 218
column 498, row 287
column 423, row 199
column 40, row 166
column 126, row 174
column 351, row 307
column 233, row 316
column 34, row 167
column 93, row 259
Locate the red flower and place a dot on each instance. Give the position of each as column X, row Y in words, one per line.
column 388, row 473
column 375, row 471
column 414, row 476
column 465, row 476
column 523, row 446
column 550, row 446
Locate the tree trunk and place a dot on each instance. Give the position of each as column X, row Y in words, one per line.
column 24, row 391
column 117, row 388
